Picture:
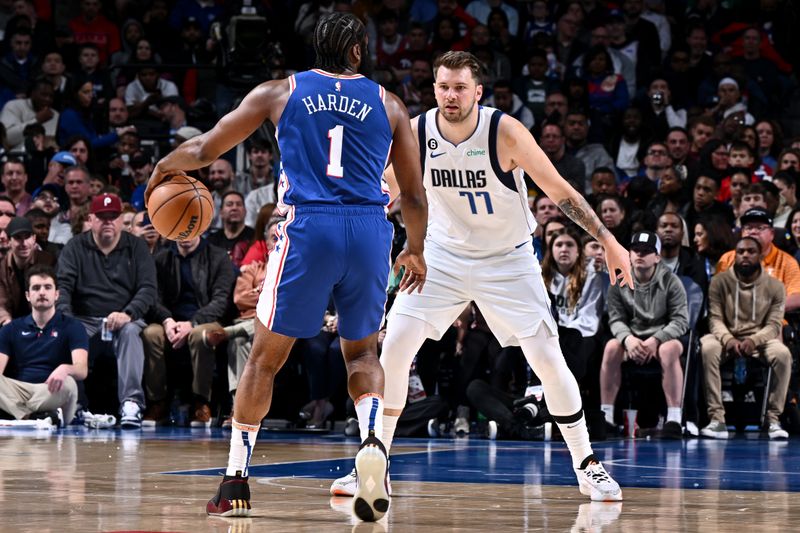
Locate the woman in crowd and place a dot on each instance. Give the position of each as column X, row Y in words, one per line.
column 770, row 142
column 712, row 238
column 578, row 296
column 789, row 158
column 264, row 237
column 612, row 212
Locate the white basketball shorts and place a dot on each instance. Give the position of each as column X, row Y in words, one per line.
column 508, row 290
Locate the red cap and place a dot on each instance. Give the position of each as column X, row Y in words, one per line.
column 106, row 203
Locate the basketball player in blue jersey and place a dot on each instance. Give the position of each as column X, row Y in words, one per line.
column 473, row 159
column 336, row 131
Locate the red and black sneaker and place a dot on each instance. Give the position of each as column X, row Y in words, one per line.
column 232, row 498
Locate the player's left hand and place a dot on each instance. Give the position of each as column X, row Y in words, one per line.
column 619, row 263
column 156, row 178
column 415, row 271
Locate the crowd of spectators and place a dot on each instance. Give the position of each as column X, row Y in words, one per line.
column 677, row 120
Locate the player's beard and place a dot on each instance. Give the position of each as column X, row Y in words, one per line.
column 463, row 113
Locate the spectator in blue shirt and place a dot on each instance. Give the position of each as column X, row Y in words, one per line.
column 42, row 355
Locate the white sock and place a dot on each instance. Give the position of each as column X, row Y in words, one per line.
column 243, row 438
column 576, row 435
column 608, row 410
column 674, row 414
column 389, row 426
column 369, row 410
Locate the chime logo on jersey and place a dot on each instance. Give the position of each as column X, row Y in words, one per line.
column 475, row 153
column 463, row 179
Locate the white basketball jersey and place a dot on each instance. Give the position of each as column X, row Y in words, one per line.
column 474, row 208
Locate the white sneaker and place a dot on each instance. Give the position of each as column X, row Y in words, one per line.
column 93, row 421
column 433, row 428
column 131, row 415
column 461, row 424
column 596, row 483
column 371, row 499
column 346, row 485
column 715, row 430
column 776, row 432
column 491, row 430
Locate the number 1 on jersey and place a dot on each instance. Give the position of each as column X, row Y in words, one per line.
column 335, row 169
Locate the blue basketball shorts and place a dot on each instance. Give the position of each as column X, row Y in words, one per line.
column 341, row 252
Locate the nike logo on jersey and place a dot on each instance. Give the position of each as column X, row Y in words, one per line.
column 437, row 155
column 26, row 333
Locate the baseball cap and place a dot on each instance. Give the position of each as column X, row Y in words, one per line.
column 187, row 132
column 19, row 225
column 52, row 188
column 615, row 15
column 106, row 203
column 756, row 214
column 646, row 241
column 65, row 158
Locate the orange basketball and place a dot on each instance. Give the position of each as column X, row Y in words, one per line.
column 181, row 208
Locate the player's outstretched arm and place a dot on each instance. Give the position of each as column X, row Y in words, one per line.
column 408, row 175
column 516, row 140
column 259, row 105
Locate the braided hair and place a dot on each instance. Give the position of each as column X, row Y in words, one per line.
column 336, row 33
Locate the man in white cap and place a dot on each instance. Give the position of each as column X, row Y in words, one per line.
column 647, row 324
column 730, row 101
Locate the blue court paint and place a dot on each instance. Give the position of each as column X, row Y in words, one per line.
column 737, row 464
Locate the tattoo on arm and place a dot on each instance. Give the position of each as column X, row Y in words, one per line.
column 582, row 214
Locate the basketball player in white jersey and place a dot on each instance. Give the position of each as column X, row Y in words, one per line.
column 478, row 248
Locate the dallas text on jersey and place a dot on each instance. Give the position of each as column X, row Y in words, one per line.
column 339, row 103
column 469, row 179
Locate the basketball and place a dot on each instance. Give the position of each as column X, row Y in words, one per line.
column 180, row 208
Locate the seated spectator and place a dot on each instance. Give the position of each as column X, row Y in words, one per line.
column 14, row 179
column 704, row 204
column 739, row 181
column 757, row 223
column 240, row 334
column 49, row 198
column 612, row 212
column 195, row 280
column 79, row 119
column 754, row 195
column 42, row 355
column 577, row 293
column 672, row 194
column 57, row 166
column 593, row 155
column 17, row 65
column 257, row 177
column 36, row 109
column 141, row 167
column 90, row 69
column 745, row 312
column 608, row 92
column 658, row 111
column 680, row 260
column 22, row 256
column 509, row 103
column 107, row 280
column 81, row 148
column 264, row 237
column 786, row 182
column 143, row 93
column 630, row 140
column 656, row 160
column 646, row 325
column 554, row 146
column 143, row 228
column 92, row 27
column 233, row 230
column 701, row 130
column 789, row 159
column 220, row 182
column 40, row 222
column 678, row 146
column 543, row 209
column 53, row 70
column 604, row 183
column 595, row 254
column 712, row 238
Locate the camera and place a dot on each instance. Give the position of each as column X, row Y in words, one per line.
column 657, row 98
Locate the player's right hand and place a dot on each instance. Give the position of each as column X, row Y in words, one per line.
column 156, row 178
column 414, row 273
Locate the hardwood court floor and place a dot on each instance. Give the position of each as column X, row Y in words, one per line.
column 103, row 480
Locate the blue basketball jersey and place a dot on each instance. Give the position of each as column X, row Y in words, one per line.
column 334, row 137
